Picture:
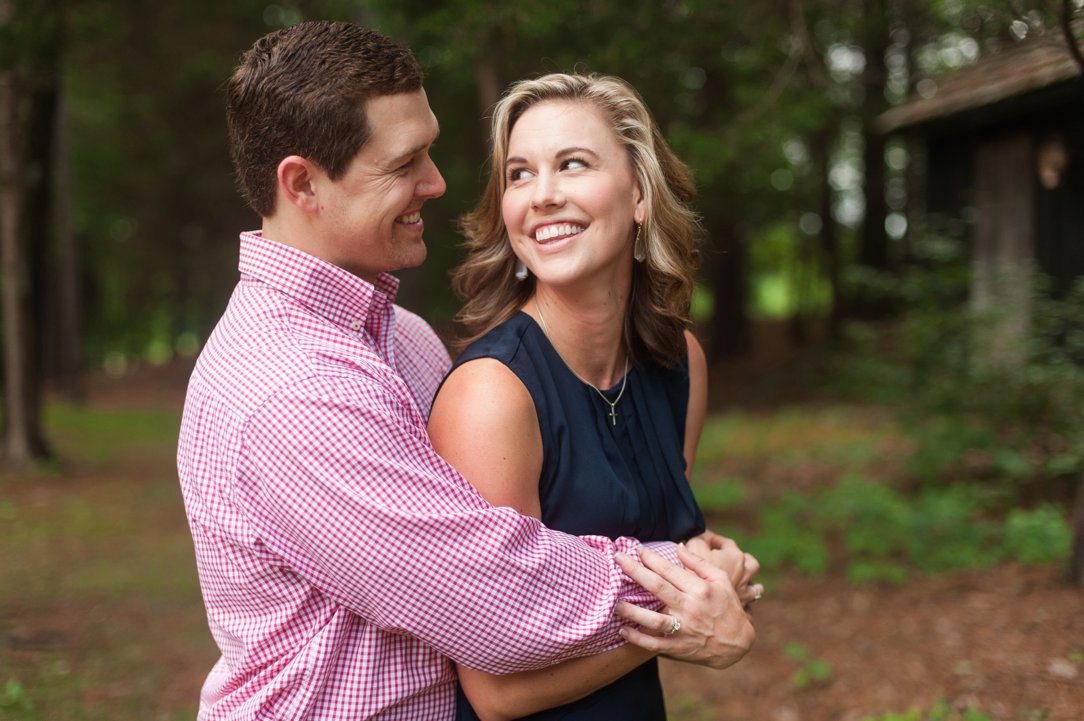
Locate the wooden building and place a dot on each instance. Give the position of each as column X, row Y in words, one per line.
column 1004, row 150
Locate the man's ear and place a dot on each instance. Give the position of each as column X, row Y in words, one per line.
column 297, row 186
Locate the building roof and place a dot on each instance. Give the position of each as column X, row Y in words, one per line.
column 1015, row 71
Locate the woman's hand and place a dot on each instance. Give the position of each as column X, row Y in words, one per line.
column 705, row 623
column 724, row 554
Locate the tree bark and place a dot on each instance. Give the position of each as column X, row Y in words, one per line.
column 68, row 338
column 1075, row 571
column 19, row 443
column 829, row 233
column 25, row 182
column 728, row 336
column 873, row 243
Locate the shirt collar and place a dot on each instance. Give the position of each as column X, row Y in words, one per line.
column 329, row 291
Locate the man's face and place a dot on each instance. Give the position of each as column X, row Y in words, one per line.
column 370, row 219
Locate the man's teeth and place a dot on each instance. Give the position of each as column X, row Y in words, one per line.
column 554, row 231
column 409, row 219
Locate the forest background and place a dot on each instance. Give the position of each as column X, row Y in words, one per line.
column 120, row 216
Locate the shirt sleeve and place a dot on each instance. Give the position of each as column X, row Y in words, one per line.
column 339, row 480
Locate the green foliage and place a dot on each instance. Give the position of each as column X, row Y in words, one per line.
column 1011, row 429
column 720, row 495
column 789, row 534
column 1037, row 536
column 884, row 535
column 15, row 699
column 937, row 531
column 812, row 672
column 786, row 278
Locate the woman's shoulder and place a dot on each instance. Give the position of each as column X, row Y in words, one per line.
column 502, row 343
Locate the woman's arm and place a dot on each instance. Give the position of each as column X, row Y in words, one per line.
column 698, row 400
column 484, row 423
column 503, row 698
column 720, row 551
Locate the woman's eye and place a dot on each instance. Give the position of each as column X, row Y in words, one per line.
column 516, row 174
column 573, row 164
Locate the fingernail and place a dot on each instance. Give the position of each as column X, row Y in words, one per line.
column 622, row 633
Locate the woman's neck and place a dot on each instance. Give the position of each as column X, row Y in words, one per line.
column 586, row 329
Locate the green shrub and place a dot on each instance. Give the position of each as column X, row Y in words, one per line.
column 812, row 672
column 720, row 495
column 1042, row 535
column 886, row 535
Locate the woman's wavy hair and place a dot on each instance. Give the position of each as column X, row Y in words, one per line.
column 662, row 284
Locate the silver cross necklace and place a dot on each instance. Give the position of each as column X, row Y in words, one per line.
column 612, row 404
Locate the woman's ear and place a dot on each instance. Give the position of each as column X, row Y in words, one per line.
column 297, row 186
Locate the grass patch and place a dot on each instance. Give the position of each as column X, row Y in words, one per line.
column 839, row 436
column 103, row 618
column 97, row 436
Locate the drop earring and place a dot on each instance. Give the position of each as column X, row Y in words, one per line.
column 521, row 271
column 639, row 252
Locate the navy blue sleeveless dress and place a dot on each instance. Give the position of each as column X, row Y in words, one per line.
column 601, row 478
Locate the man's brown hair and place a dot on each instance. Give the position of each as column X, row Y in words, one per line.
column 302, row 91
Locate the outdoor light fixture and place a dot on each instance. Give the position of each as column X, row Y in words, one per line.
column 1052, row 161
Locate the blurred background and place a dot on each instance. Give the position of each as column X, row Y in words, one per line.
column 893, row 201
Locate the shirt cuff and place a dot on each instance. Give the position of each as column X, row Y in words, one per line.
column 633, row 592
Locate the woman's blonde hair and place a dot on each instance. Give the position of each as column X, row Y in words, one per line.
column 662, row 284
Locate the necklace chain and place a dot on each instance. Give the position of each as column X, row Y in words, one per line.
column 592, row 386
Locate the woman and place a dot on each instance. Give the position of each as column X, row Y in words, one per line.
column 580, row 373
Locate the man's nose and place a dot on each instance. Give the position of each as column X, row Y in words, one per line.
column 432, row 184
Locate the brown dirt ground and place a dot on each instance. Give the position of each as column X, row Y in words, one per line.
column 1009, row 642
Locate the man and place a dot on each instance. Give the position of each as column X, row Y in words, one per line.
column 342, row 561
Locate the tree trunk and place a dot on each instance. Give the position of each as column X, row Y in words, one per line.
column 19, row 442
column 1075, row 571
column 829, row 233
column 873, row 243
column 728, row 336
column 68, row 337
column 25, row 175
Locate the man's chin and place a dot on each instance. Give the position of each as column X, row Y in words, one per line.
column 414, row 257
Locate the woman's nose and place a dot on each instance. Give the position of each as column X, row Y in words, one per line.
column 547, row 191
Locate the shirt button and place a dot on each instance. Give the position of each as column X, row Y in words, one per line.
column 356, row 325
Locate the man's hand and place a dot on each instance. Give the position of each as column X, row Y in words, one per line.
column 714, row 628
column 724, row 554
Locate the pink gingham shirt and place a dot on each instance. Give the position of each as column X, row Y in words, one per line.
column 343, row 562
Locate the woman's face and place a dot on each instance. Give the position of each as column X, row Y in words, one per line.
column 571, row 202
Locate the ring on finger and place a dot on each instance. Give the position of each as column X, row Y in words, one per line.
column 675, row 626
column 758, row 591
